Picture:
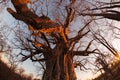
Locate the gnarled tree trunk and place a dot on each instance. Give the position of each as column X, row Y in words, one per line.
column 60, row 66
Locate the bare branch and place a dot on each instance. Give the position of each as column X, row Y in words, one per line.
column 70, row 16
column 84, row 52
column 107, row 7
column 78, row 37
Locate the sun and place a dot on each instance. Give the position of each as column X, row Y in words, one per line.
column 117, row 55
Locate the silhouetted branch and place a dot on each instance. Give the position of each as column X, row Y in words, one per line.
column 80, row 33
column 84, row 52
column 113, row 16
column 40, row 60
column 107, row 7
column 70, row 16
column 78, row 37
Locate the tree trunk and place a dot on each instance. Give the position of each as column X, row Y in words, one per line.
column 60, row 67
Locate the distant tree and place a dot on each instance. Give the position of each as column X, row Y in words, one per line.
column 7, row 73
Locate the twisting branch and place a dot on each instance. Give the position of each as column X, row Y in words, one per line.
column 70, row 16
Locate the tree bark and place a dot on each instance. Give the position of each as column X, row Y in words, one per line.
column 60, row 67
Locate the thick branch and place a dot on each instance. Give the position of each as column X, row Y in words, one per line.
column 113, row 15
column 28, row 20
column 83, row 53
column 24, row 14
column 107, row 7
